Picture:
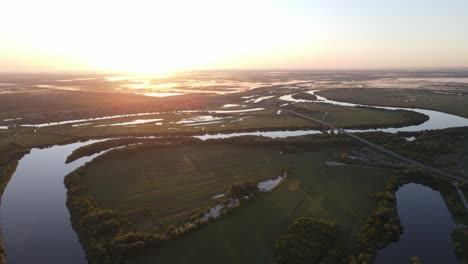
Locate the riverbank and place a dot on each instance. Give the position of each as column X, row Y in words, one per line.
column 383, row 225
column 33, row 207
column 8, row 164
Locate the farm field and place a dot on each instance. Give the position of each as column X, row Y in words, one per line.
column 170, row 182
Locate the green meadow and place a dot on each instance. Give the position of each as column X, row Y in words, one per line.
column 159, row 186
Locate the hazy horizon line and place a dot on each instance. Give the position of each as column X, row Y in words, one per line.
column 429, row 68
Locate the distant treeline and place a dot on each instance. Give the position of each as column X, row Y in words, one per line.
column 309, row 142
column 411, row 118
column 305, row 96
column 94, row 148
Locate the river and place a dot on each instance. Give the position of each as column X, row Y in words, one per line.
column 437, row 120
column 427, row 226
column 35, row 221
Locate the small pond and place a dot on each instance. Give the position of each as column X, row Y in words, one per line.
column 427, row 227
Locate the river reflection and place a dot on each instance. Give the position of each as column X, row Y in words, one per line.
column 427, row 227
column 34, row 218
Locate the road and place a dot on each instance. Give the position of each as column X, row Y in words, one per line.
column 375, row 146
column 462, row 196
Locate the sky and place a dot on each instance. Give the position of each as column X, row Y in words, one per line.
column 158, row 36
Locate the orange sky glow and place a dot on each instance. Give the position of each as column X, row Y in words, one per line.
column 159, row 36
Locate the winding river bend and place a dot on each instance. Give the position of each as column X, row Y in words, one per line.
column 437, row 120
column 35, row 220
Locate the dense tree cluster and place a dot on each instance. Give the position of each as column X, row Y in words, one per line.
column 305, row 96
column 309, row 240
column 460, row 236
column 245, row 188
column 382, row 225
column 464, row 187
column 309, row 142
column 425, row 148
column 100, row 231
column 460, row 241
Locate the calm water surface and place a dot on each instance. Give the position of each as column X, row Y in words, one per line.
column 34, row 218
column 427, row 226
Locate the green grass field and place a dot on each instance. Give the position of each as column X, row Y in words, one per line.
column 348, row 117
column 169, row 182
column 5, row 137
column 454, row 104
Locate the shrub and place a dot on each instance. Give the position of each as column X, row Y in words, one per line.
column 246, row 188
column 308, row 240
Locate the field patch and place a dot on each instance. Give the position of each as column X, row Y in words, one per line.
column 157, row 187
column 169, row 182
column 248, row 235
column 452, row 103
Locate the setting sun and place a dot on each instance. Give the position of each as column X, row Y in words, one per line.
column 157, row 36
column 149, row 36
